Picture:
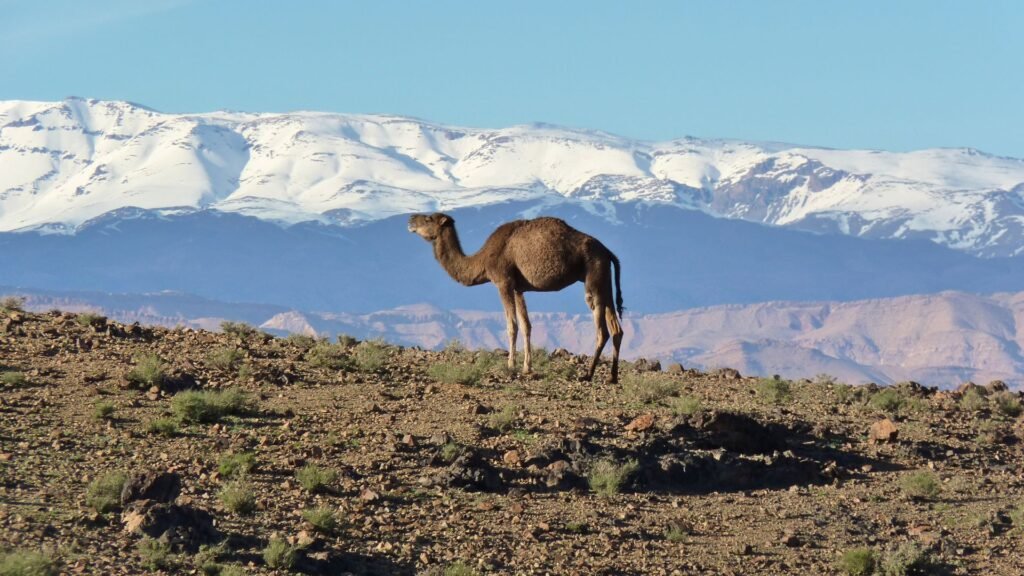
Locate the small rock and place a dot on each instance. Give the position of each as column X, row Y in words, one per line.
column 151, row 485
column 744, row 549
column 409, row 441
column 675, row 368
column 511, row 457
column 996, row 386
column 641, row 423
column 882, row 431
column 790, row 540
column 368, row 495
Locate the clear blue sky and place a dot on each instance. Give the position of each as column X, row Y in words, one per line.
column 893, row 75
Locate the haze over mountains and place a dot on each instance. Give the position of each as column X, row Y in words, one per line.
column 307, row 211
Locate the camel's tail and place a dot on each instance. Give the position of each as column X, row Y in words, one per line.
column 618, row 286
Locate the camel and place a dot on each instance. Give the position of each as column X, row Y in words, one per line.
column 540, row 255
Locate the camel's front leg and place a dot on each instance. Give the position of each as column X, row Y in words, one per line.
column 508, row 301
column 524, row 321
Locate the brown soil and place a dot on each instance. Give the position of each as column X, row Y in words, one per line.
column 741, row 485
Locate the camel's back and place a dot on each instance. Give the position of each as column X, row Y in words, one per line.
column 548, row 253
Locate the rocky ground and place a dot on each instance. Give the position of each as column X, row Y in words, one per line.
column 118, row 456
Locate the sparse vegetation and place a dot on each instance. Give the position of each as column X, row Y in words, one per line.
column 461, row 373
column 503, row 420
column 314, row 478
column 887, row 400
column 450, row 451
column 148, row 371
column 225, row 359
column 301, row 341
column 347, row 341
column 844, row 393
column 329, row 356
column 921, row 485
column 279, row 554
column 103, row 410
column 371, row 355
column 459, row 569
column 608, row 477
column 858, row 562
column 649, row 387
column 12, row 304
column 90, row 320
column 13, row 379
column 237, row 465
column 675, row 533
column 207, row 406
column 155, row 554
column 685, row 405
column 206, row 559
column 239, row 330
column 104, row 493
column 907, row 560
column 1008, row 404
column 973, row 399
column 321, row 518
column 26, row 563
column 774, row 391
column 238, row 497
column 162, row 427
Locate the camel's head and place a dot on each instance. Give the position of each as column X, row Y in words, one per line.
column 429, row 226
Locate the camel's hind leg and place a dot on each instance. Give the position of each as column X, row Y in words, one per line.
column 508, row 301
column 524, row 323
column 598, row 308
column 616, row 329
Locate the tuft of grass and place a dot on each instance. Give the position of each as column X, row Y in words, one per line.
column 504, row 419
column 321, row 518
column 90, row 320
column 205, row 560
column 887, row 400
column 12, row 304
column 454, row 346
column 347, row 341
column 973, row 400
column 155, row 554
column 1016, row 515
column 238, row 329
column 774, row 391
column 844, row 393
column 858, row 562
column 608, row 477
column 826, row 380
column 451, row 451
column 148, row 371
column 921, row 485
column 314, row 478
column 13, row 379
column 26, row 563
column 103, row 410
column 908, row 559
column 649, row 387
column 237, row 465
column 329, row 356
column 238, row 497
column 685, row 405
column 104, row 493
column 577, row 527
column 1008, row 404
column 461, row 372
column 459, row 569
column 675, row 533
column 162, row 427
column 225, row 359
column 301, row 341
column 208, row 405
column 371, row 355
column 279, row 554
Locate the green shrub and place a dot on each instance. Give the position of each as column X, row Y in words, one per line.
column 826, row 380
column 462, row 373
column 909, row 559
column 208, row 405
column 162, row 427
column 313, row 478
column 774, row 391
column 504, row 419
column 844, row 393
column 205, row 560
column 371, row 355
column 238, row 329
column 1008, row 404
column 608, row 477
column 13, row 379
column 685, row 405
column 329, row 356
column 321, row 518
column 649, row 387
column 451, row 451
column 26, row 563
column 858, row 562
column 12, row 304
column 225, row 359
column 301, row 341
column 347, row 341
column 90, row 320
column 238, row 497
column 237, row 465
column 459, row 569
column 1016, row 515
column 104, row 493
column 973, row 400
column 675, row 533
column 103, row 410
column 887, row 400
column 921, row 485
column 279, row 554
column 154, row 553
column 148, row 371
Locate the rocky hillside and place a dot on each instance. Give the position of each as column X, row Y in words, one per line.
column 128, row 449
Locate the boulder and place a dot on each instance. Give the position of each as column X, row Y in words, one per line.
column 883, row 431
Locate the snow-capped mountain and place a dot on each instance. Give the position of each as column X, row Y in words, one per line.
column 64, row 164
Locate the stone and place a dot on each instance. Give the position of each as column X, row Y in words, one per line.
column 641, row 423
column 675, row 368
column 884, row 430
column 184, row 527
column 996, row 386
column 151, row 485
column 511, row 457
column 729, row 374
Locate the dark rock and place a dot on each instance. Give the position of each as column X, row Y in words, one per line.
column 737, row 433
column 471, row 471
column 675, row 368
column 560, row 475
column 996, row 386
column 184, row 527
column 161, row 487
column 645, row 365
column 729, row 374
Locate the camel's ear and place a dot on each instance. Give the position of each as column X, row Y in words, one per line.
column 445, row 220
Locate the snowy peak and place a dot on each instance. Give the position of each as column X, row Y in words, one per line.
column 63, row 164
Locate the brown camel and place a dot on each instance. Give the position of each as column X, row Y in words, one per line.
column 542, row 255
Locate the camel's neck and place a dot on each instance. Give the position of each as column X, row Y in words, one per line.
column 466, row 270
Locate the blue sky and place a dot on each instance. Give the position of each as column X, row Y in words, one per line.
column 892, row 75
